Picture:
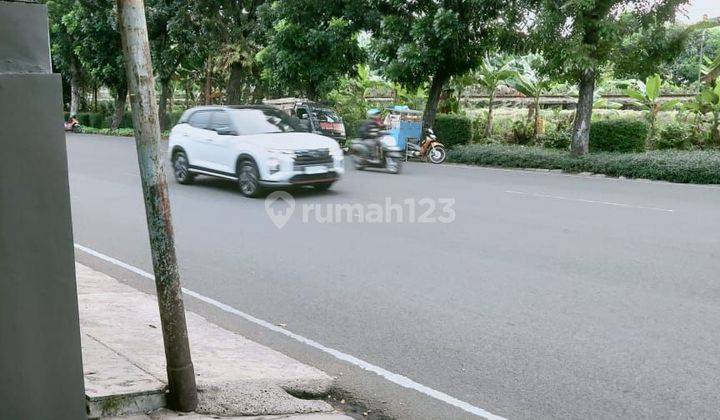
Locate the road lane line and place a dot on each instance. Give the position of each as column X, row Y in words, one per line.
column 398, row 379
column 582, row 200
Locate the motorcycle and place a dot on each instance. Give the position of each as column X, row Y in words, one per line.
column 73, row 125
column 428, row 149
column 381, row 153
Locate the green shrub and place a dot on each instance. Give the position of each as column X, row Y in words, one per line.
column 126, row 121
column 700, row 167
column 453, row 130
column 125, row 132
column 478, row 127
column 675, row 136
column 618, row 135
column 555, row 140
column 97, row 120
column 522, row 133
column 83, row 118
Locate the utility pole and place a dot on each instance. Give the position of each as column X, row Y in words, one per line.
column 141, row 84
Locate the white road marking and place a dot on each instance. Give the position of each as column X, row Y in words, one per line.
column 390, row 376
column 582, row 200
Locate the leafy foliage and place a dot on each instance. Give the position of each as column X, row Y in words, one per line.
column 532, row 84
column 556, row 140
column 428, row 41
column 452, row 129
column 579, row 37
column 700, row 167
column 647, row 96
column 618, row 135
column 493, row 71
column 93, row 23
column 675, row 136
column 311, row 45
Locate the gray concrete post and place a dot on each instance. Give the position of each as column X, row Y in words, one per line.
column 41, row 373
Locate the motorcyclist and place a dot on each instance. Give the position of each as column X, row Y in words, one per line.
column 71, row 122
column 370, row 130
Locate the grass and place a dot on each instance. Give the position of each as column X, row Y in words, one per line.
column 123, row 132
column 697, row 167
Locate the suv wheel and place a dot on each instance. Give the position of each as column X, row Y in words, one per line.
column 249, row 179
column 181, row 168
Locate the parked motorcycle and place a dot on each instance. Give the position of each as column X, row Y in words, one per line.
column 73, row 125
column 428, row 149
column 381, row 153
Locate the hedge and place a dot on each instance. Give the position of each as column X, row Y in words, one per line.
column 453, row 130
column 100, row 120
column 699, row 167
column 618, row 135
column 122, row 132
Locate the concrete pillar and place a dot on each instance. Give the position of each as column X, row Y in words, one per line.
column 40, row 356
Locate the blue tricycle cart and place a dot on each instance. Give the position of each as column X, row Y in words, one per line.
column 404, row 123
column 405, row 126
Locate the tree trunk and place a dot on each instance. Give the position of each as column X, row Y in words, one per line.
column 538, row 119
column 120, row 99
column 95, row 95
column 433, row 99
column 187, row 92
column 165, row 94
column 74, row 87
column 583, row 114
column 235, row 84
column 650, row 138
column 489, row 125
column 208, row 74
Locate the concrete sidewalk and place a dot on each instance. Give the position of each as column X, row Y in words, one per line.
column 124, row 361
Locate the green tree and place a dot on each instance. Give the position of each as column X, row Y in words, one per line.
column 687, row 65
column 578, row 37
column 429, row 41
column 174, row 35
column 311, row 44
column 94, row 24
column 63, row 50
column 647, row 96
column 649, row 50
column 493, row 72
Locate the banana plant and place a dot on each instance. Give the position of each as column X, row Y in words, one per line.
column 711, row 69
column 647, row 97
column 531, row 84
column 491, row 74
column 710, row 100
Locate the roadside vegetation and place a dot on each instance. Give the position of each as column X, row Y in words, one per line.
column 580, row 79
column 699, row 167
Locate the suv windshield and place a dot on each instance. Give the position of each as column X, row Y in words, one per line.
column 261, row 121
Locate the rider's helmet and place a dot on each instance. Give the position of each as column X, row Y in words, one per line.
column 373, row 112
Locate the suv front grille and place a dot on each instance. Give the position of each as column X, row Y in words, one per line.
column 312, row 157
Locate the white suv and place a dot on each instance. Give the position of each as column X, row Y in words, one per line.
column 257, row 146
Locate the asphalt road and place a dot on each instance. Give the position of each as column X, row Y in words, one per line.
column 548, row 296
